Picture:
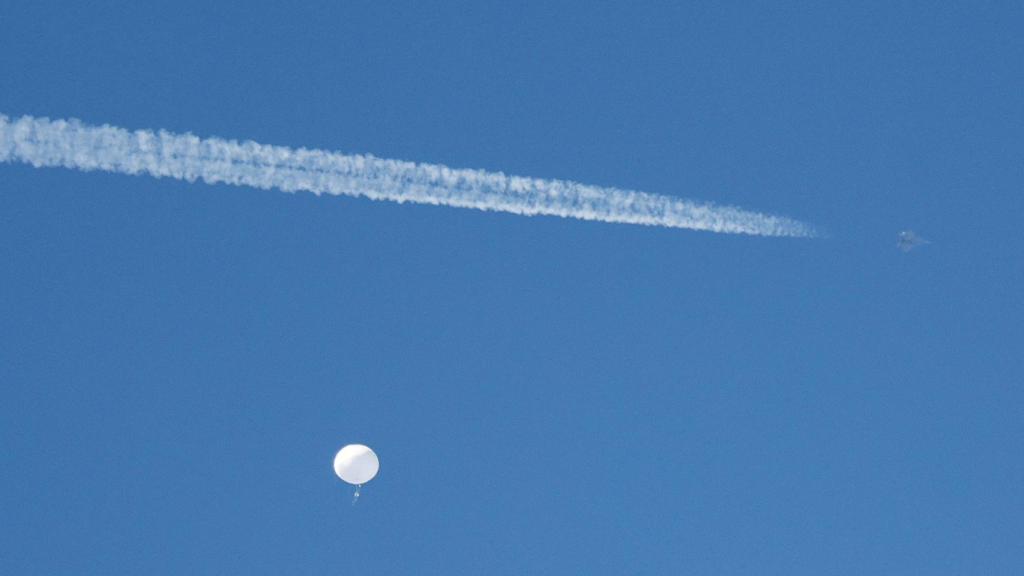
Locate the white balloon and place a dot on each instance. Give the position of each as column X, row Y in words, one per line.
column 356, row 464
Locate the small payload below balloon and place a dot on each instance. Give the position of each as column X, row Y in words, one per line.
column 356, row 464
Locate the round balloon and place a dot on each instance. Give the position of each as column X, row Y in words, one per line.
column 356, row 464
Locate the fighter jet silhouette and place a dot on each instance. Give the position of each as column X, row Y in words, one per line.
column 908, row 241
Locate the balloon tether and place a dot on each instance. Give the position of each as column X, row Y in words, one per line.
column 355, row 496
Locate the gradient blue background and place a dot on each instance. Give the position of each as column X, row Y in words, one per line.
column 179, row 362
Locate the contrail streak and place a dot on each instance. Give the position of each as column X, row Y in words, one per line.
column 72, row 144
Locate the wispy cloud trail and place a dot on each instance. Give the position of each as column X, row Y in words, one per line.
column 72, row 144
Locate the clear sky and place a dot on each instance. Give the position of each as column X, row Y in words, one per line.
column 179, row 362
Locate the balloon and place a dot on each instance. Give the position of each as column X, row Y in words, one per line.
column 356, row 464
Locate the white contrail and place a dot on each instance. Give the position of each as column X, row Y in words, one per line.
column 72, row 144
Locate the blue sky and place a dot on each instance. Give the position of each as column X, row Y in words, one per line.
column 179, row 362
